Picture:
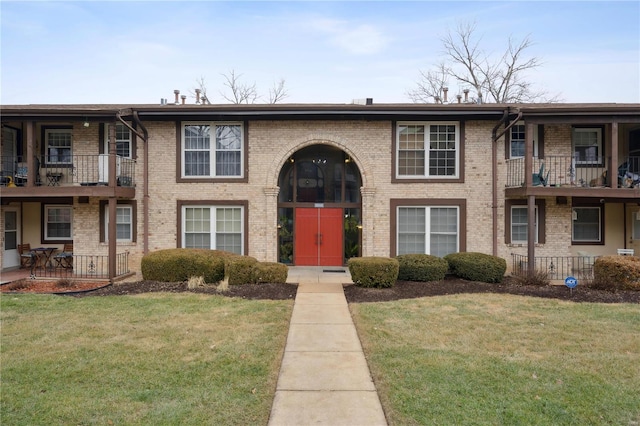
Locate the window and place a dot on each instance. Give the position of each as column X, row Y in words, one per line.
column 516, row 141
column 587, row 146
column 587, row 225
column 516, row 229
column 428, row 230
column 57, row 223
column 213, row 227
column 222, row 157
column 520, row 226
column 123, row 140
column 428, row 150
column 124, row 223
column 57, row 145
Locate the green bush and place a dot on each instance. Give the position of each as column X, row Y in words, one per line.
column 270, row 272
column 477, row 266
column 377, row 272
column 180, row 264
column 421, row 267
column 617, row 273
column 239, row 269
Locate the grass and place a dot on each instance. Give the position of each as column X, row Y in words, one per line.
column 502, row 359
column 149, row 359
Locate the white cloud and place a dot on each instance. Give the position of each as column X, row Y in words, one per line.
column 357, row 39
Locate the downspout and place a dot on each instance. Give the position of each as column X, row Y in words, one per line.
column 145, row 200
column 494, row 172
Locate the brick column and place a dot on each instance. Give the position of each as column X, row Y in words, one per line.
column 270, row 240
column 368, row 221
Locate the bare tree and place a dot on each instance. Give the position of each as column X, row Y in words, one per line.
column 498, row 78
column 278, row 92
column 200, row 92
column 239, row 93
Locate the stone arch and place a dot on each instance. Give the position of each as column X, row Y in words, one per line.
column 279, row 161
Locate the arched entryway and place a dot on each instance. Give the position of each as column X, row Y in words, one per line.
column 319, row 208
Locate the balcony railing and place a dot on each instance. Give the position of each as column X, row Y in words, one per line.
column 562, row 171
column 557, row 267
column 85, row 170
column 85, row 266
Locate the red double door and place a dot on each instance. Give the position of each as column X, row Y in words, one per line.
column 318, row 237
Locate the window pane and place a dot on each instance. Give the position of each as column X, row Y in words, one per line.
column 586, row 226
column 411, row 156
column 519, row 224
column 411, row 230
column 58, row 146
column 442, row 152
column 444, row 231
column 196, row 150
column 58, row 222
column 197, row 224
column 229, row 229
column 517, row 140
column 123, row 140
column 123, row 223
column 228, row 150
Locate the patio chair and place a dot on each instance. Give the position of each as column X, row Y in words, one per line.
column 22, row 175
column 626, row 177
column 540, row 178
column 64, row 259
column 27, row 257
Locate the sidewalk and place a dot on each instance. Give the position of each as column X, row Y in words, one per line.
column 324, row 378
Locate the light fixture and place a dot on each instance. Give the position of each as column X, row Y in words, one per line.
column 86, row 122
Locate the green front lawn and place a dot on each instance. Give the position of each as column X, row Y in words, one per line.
column 148, row 359
column 503, row 360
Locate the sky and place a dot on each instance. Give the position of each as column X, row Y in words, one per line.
column 87, row 52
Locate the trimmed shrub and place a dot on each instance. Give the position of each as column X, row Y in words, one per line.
column 239, row 269
column 177, row 265
column 477, row 266
column 421, row 267
column 270, row 272
column 617, row 273
column 377, row 272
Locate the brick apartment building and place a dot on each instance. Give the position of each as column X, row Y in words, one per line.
column 316, row 184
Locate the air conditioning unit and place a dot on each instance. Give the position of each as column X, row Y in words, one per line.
column 103, row 168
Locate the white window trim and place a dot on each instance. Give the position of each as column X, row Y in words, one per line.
column 46, row 222
column 427, row 234
column 575, row 215
column 47, row 132
column 535, row 141
column 598, row 131
column 106, row 139
column 513, row 240
column 212, row 149
column 106, row 223
column 212, row 219
column 427, row 124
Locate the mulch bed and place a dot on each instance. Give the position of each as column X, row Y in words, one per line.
column 354, row 294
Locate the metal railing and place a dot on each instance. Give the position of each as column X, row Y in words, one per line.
column 85, row 170
column 557, row 267
column 560, row 171
column 83, row 266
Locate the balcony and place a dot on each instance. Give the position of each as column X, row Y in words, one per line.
column 567, row 176
column 75, row 175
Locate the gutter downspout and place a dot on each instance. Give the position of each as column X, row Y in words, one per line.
column 494, row 172
column 145, row 200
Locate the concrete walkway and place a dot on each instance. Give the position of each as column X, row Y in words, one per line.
column 324, row 378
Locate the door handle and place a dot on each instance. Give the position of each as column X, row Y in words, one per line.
column 320, row 235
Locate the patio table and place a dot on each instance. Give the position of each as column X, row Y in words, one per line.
column 43, row 256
